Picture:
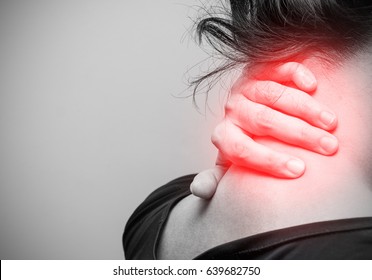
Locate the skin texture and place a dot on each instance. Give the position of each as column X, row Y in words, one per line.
column 248, row 202
column 259, row 106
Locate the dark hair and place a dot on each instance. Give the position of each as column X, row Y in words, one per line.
column 264, row 31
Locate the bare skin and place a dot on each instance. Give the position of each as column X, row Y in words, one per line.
column 253, row 109
column 248, row 202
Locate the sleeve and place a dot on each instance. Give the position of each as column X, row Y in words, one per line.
column 144, row 227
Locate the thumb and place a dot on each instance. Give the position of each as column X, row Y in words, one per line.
column 205, row 183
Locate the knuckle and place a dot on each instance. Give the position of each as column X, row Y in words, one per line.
column 303, row 105
column 304, row 133
column 234, row 107
column 268, row 93
column 306, row 136
column 256, row 92
column 240, row 151
column 252, row 92
column 229, row 106
column 274, row 92
column 218, row 135
column 264, row 120
column 302, row 108
column 273, row 163
column 307, row 110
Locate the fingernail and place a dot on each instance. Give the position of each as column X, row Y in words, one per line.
column 308, row 80
column 295, row 166
column 327, row 118
column 329, row 144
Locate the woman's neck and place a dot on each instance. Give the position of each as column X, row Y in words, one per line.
column 332, row 187
column 248, row 203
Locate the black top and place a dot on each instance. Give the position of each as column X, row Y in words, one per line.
column 338, row 239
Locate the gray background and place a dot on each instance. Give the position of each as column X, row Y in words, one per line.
column 89, row 120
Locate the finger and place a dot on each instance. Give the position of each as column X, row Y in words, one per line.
column 294, row 72
column 290, row 101
column 264, row 121
column 205, row 183
column 241, row 150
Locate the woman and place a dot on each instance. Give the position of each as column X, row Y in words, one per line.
column 325, row 213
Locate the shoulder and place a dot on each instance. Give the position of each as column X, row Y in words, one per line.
column 195, row 225
column 144, row 226
column 166, row 193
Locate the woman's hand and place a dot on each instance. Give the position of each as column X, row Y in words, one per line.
column 264, row 107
